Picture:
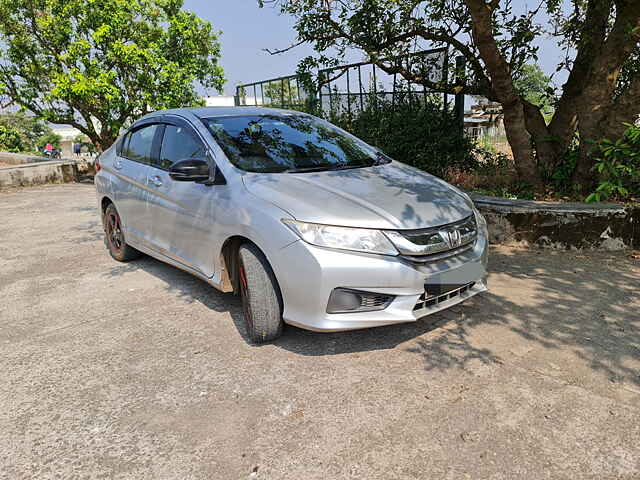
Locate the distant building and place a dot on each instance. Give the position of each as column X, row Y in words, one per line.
column 220, row 101
column 230, row 101
column 484, row 120
column 67, row 134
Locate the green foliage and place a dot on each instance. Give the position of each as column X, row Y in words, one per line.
column 10, row 140
column 562, row 176
column 618, row 167
column 500, row 42
column 52, row 138
column 490, row 161
column 99, row 64
column 414, row 132
column 535, row 87
column 33, row 132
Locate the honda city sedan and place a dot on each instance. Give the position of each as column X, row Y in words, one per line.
column 308, row 224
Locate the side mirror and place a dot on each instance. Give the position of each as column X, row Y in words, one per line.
column 190, row 170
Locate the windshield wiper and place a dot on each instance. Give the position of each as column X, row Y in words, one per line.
column 307, row 169
column 332, row 168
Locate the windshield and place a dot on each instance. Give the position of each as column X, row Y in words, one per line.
column 289, row 143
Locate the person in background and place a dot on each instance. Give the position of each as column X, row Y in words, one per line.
column 77, row 149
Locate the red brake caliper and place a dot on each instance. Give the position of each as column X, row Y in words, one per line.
column 243, row 279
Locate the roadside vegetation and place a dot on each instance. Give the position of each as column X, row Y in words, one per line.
column 559, row 136
column 22, row 133
column 99, row 65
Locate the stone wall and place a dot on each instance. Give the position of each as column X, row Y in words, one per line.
column 56, row 171
column 570, row 225
column 20, row 158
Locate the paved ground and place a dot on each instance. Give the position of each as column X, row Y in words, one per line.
column 141, row 371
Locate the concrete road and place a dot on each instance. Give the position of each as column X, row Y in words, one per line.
column 140, row 371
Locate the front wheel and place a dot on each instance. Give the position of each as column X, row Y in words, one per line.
column 261, row 299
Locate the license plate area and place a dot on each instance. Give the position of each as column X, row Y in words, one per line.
column 438, row 289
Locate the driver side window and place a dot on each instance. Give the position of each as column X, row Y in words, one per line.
column 179, row 144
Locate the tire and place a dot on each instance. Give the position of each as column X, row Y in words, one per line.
column 114, row 236
column 260, row 294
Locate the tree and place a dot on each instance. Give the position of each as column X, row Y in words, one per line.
column 53, row 138
column 30, row 129
column 535, row 87
column 600, row 39
column 10, row 140
column 99, row 64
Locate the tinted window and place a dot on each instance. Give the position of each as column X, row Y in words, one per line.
column 137, row 146
column 180, row 143
column 276, row 143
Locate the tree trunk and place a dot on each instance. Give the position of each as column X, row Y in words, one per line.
column 548, row 149
column 520, row 142
column 502, row 83
column 625, row 110
column 104, row 142
column 597, row 102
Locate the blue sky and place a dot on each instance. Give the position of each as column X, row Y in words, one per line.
column 247, row 30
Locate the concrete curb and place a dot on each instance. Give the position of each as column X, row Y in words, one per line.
column 39, row 173
column 571, row 225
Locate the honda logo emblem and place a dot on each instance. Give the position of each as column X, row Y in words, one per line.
column 452, row 237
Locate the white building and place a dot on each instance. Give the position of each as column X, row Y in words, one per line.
column 67, row 134
column 230, row 101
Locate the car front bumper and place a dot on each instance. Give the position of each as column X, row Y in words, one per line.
column 308, row 274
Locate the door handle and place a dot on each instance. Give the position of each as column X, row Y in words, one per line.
column 155, row 180
column 117, row 164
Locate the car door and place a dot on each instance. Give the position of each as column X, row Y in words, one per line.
column 181, row 212
column 131, row 167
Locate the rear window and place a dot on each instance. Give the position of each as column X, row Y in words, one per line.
column 277, row 143
column 138, row 144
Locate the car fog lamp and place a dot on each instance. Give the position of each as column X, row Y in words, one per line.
column 344, row 300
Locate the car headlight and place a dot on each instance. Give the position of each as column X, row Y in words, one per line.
column 342, row 238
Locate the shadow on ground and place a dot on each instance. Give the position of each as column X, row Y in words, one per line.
column 556, row 301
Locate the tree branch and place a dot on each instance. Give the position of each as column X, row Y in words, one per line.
column 283, row 50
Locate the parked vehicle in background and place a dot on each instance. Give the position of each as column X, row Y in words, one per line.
column 310, row 225
column 52, row 153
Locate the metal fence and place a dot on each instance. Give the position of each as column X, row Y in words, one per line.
column 283, row 92
column 348, row 89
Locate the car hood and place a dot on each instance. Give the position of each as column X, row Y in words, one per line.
column 391, row 196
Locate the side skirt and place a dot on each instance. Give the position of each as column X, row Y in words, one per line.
column 213, row 281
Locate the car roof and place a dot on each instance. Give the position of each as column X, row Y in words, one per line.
column 208, row 112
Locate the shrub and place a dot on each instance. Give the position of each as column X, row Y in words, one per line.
column 33, row 132
column 10, row 139
column 411, row 129
column 618, row 167
column 50, row 137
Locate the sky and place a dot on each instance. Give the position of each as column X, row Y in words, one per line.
column 248, row 29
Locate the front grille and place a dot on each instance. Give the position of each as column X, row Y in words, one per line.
column 434, row 257
column 426, row 301
column 435, row 243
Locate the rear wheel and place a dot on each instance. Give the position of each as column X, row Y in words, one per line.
column 261, row 299
column 116, row 244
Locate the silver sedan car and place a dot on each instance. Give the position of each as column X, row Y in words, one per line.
column 308, row 224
